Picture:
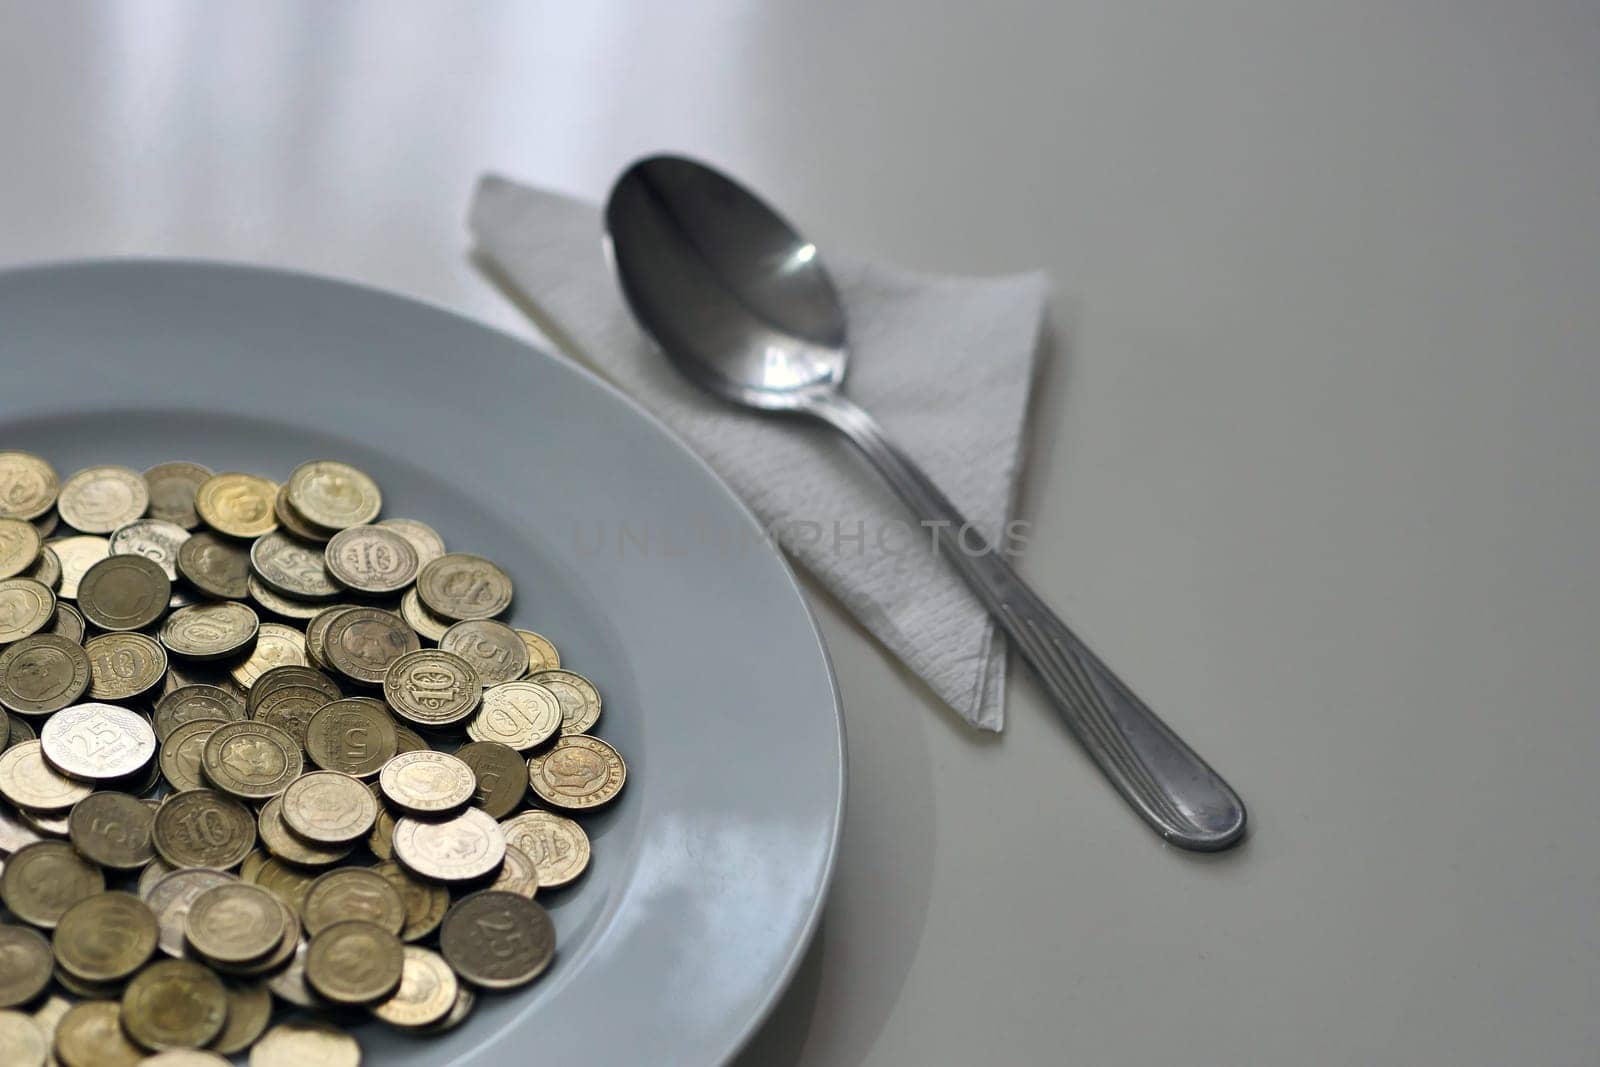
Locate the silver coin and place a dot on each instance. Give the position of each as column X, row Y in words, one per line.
column 154, row 539
column 96, row 742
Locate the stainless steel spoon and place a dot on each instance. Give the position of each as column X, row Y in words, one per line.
column 742, row 304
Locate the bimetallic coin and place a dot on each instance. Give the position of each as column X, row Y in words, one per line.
column 91, row 1035
column 285, row 607
column 98, row 742
column 427, row 783
column 557, row 846
column 432, row 688
column 424, row 539
column 542, row 655
column 518, row 874
column 251, row 760
column 97, row 500
column 182, row 753
column 19, row 547
column 210, row 631
column 105, row 938
column 113, row 830
column 352, row 893
column 203, row 828
column 580, row 700
column 292, row 567
column 352, row 736
column 192, row 703
column 239, row 505
column 124, row 665
column 426, row 623
column 25, row 962
column 304, row 1045
column 371, row 559
column 276, row 645
column 286, row 846
column 292, row 520
column 501, row 773
column 157, row 540
column 426, row 903
column 427, row 991
column 464, row 848
column 214, row 565
column 28, row 485
column 287, row 697
column 354, row 963
column 33, row 785
column 497, row 940
column 460, row 586
column 249, row 1010
column 316, row 633
column 46, row 570
column 172, row 489
column 43, row 673
column 494, row 649
column 41, row 881
column 519, row 714
column 22, row 1041
column 174, row 1004
column 329, row 808
column 578, row 773
column 333, row 495
column 235, row 923
column 362, row 643
column 77, row 555
column 26, row 606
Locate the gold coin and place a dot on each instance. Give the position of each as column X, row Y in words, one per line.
column 97, row 742
column 214, row 565
column 464, row 848
column 27, row 960
column 371, row 559
column 285, row 607
column 501, row 774
column 362, row 643
column 287, row 882
column 333, row 495
column 577, row 773
column 88, row 990
column 426, row 994
column 90, row 1035
column 28, row 485
column 497, row 940
column 381, row 840
column 235, row 923
column 251, row 760
column 432, row 688
column 305, row 1045
column 43, row 880
column 427, row 783
column 316, row 633
column 580, row 700
column 192, row 703
column 33, row 785
column 186, row 1057
column 557, row 846
column 466, row 1000
column 419, row 618
column 249, row 1011
column 354, row 736
column 288, row 697
column 542, row 655
column 43, row 673
column 518, row 874
column 174, row 1004
column 19, row 547
column 494, row 649
column 203, row 828
column 106, row 937
column 425, row 540
column 521, row 714
column 460, row 586
column 286, row 846
column 22, row 1042
column 329, row 808
column 352, row 893
column 113, row 830
column 181, row 673
column 182, row 751
column 425, row 902
column 239, row 505
column 124, row 665
column 25, row 607
column 77, row 555
column 46, row 570
column 171, row 897
column 273, row 961
column 253, row 863
column 354, row 962
column 292, row 567
column 276, row 645
column 210, row 631
column 154, row 539
column 292, row 521
column 123, row 593
column 97, row 500
column 172, row 489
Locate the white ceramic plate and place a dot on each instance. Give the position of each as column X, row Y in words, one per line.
column 709, row 873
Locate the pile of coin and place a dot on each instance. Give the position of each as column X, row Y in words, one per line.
column 263, row 752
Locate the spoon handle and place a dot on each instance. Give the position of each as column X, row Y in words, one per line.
column 1164, row 780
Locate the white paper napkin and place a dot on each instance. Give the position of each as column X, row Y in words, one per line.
column 945, row 364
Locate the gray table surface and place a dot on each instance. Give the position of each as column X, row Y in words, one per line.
column 1313, row 462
